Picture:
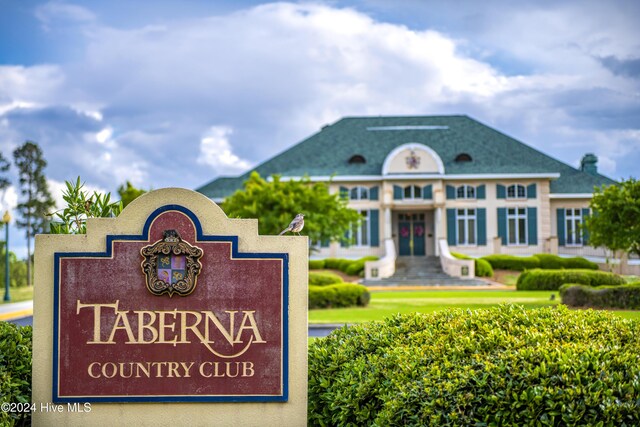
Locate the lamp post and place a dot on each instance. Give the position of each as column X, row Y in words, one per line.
column 6, row 218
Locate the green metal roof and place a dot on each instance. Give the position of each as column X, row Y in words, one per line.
column 327, row 152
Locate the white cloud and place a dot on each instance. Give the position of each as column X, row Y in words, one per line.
column 215, row 150
column 62, row 12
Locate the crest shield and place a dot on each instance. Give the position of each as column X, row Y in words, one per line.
column 171, row 265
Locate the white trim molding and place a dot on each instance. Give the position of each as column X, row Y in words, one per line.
column 425, row 176
column 570, row 196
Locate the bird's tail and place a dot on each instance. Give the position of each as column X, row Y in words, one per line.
column 284, row 231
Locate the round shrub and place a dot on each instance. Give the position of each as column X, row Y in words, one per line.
column 626, row 297
column 500, row 366
column 15, row 370
column 482, row 267
column 579, row 262
column 316, row 264
column 551, row 280
column 323, row 279
column 338, row 295
column 511, row 262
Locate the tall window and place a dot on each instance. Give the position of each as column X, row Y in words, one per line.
column 466, row 226
column 359, row 234
column 516, row 191
column 412, row 192
column 573, row 219
column 466, row 192
column 517, row 226
column 359, row 193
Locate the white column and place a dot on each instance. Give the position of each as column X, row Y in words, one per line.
column 387, row 223
column 436, row 228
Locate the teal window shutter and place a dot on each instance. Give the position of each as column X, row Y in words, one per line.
column 501, row 192
column 502, row 224
column 585, row 232
column 373, row 193
column 451, row 192
column 531, row 191
column 561, row 225
column 532, row 225
column 344, row 192
column 325, row 243
column 482, row 226
column 374, row 221
column 427, row 192
column 397, row 192
column 451, row 227
column 481, row 192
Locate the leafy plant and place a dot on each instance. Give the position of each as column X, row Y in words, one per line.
column 338, row 295
column 504, row 366
column 80, row 206
column 15, row 371
column 482, row 266
column 324, row 278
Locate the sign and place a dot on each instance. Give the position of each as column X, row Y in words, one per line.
column 171, row 315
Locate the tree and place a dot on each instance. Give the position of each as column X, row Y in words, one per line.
column 72, row 219
column 33, row 184
column 274, row 203
column 615, row 223
column 128, row 193
column 4, row 167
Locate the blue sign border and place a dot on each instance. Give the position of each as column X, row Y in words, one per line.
column 199, row 237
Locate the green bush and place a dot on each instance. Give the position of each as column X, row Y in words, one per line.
column 511, row 262
column 338, row 295
column 332, row 263
column 352, row 267
column 316, row 264
column 15, row 371
column 544, row 261
column 551, row 280
column 323, row 279
column 500, row 366
column 482, row 267
column 554, row 262
column 625, row 297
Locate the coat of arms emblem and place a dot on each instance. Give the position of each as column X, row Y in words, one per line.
column 171, row 265
column 413, row 160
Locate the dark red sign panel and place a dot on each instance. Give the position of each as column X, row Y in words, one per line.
column 170, row 315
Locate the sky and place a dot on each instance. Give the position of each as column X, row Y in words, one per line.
column 175, row 93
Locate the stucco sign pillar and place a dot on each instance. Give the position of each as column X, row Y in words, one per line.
column 170, row 314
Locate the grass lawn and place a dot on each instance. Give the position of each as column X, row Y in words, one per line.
column 22, row 293
column 387, row 303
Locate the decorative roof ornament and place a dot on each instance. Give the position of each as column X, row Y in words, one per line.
column 413, row 160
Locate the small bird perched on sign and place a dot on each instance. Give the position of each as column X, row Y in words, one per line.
column 295, row 226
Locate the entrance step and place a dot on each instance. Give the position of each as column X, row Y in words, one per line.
column 425, row 271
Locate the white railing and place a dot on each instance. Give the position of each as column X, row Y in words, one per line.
column 453, row 266
column 385, row 266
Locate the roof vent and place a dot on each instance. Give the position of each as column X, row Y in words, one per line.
column 463, row 157
column 588, row 164
column 357, row 159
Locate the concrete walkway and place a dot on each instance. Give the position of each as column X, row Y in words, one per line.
column 16, row 310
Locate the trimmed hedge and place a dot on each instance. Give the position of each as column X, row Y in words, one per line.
column 544, row 261
column 316, row 264
column 338, row 295
column 352, row 267
column 625, row 297
column 551, row 280
column 15, row 371
column 554, row 262
column 499, row 366
column 511, row 262
column 324, row 278
column 482, row 267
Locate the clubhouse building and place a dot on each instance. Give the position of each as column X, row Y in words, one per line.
column 430, row 185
